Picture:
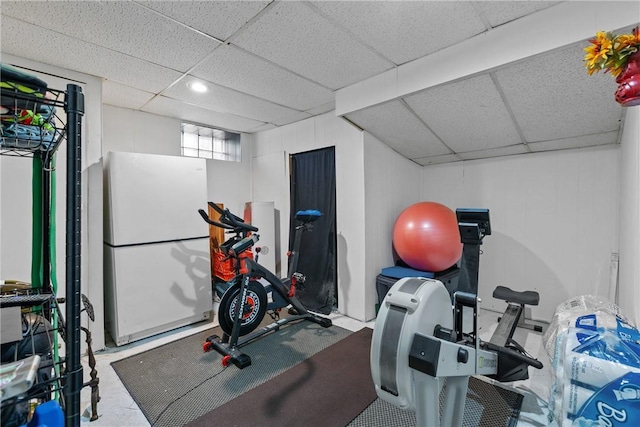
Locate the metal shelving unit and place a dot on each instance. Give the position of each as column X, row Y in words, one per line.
column 39, row 137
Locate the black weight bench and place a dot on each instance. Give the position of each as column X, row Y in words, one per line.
column 514, row 314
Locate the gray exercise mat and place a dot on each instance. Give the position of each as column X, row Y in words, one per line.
column 177, row 382
column 487, row 405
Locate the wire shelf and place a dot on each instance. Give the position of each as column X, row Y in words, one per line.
column 31, row 122
column 39, row 337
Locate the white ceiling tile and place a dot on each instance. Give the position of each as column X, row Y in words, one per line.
column 292, row 118
column 242, row 71
column 219, row 19
column 495, row 152
column 321, row 109
column 124, row 96
column 299, row 39
column 405, row 30
column 66, row 52
column 164, row 106
column 501, row 12
column 263, row 127
column 122, row 26
column 468, row 115
column 435, row 160
column 396, row 126
column 229, row 101
column 551, row 100
column 577, row 142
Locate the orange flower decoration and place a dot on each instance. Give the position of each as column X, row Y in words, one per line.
column 609, row 53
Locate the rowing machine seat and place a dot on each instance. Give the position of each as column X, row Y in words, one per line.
column 525, row 297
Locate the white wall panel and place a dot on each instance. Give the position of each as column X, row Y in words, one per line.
column 138, row 132
column 271, row 184
column 554, row 218
column 391, row 184
column 629, row 283
column 319, row 132
column 230, row 182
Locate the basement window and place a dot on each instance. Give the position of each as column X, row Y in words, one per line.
column 209, row 143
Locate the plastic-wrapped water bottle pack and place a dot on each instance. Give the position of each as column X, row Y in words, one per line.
column 595, row 352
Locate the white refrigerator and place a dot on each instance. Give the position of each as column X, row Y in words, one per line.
column 157, row 264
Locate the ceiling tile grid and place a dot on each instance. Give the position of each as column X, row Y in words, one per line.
column 122, row 26
column 501, row 12
column 495, row 152
column 282, row 60
column 435, row 160
column 321, row 109
column 26, row 40
column 234, row 68
column 124, row 96
column 577, row 142
column 396, row 126
column 468, row 115
column 300, row 40
column 404, row 31
column 552, row 101
column 219, row 19
column 164, row 106
column 233, row 102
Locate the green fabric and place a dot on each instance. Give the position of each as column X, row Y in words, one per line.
column 36, row 224
column 53, row 275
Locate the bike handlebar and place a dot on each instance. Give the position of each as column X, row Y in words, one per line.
column 228, row 220
column 208, row 220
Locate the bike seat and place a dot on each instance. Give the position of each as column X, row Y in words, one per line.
column 525, row 297
column 309, row 215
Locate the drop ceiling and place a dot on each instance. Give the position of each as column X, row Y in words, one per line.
column 272, row 63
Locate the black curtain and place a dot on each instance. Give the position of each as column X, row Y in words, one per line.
column 313, row 186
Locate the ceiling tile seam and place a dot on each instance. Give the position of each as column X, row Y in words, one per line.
column 486, row 150
column 182, row 24
column 48, row 74
column 548, row 150
column 498, row 87
column 234, row 46
column 204, row 59
column 99, row 46
column 481, row 15
column 435, row 157
column 215, row 111
column 332, row 104
column 104, row 79
column 578, row 136
column 353, row 36
column 355, row 125
column 250, row 22
column 386, row 142
column 226, row 112
column 404, row 103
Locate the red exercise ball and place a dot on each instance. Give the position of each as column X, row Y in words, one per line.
column 426, row 237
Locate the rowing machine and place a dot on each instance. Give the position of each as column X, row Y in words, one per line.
column 418, row 341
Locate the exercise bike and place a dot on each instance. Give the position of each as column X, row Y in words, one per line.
column 418, row 340
column 244, row 302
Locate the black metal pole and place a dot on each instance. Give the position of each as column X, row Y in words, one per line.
column 74, row 107
column 46, row 229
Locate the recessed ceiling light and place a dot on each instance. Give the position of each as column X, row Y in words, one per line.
column 198, row 87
